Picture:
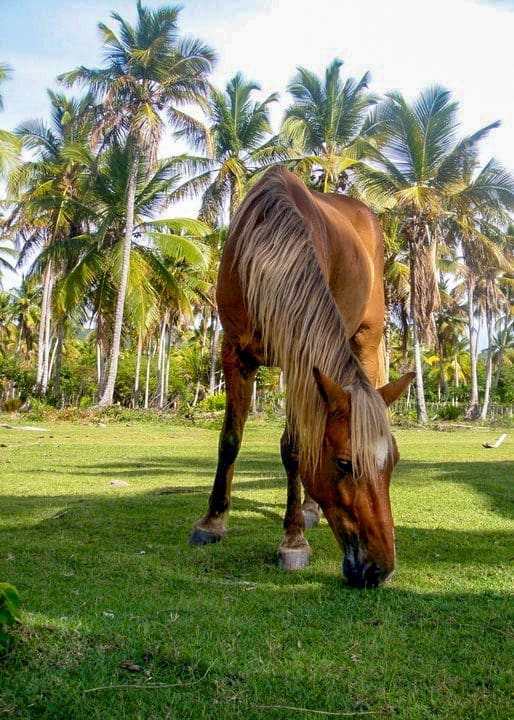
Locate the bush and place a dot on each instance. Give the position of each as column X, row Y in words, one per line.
column 11, row 404
column 212, row 403
column 450, row 412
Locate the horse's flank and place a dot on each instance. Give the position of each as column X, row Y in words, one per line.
column 281, row 257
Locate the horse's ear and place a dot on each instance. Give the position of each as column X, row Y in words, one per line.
column 336, row 399
column 393, row 390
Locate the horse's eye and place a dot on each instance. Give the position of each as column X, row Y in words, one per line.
column 344, row 466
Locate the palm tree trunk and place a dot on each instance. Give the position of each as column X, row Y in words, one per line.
column 202, row 351
column 139, row 353
column 215, row 329
column 52, row 353
column 147, row 376
column 423, row 298
column 387, row 348
column 472, row 410
column 161, row 361
column 254, row 397
column 281, row 389
column 100, row 354
column 43, row 355
column 167, row 361
column 108, row 392
column 489, row 375
column 58, row 362
column 420, row 391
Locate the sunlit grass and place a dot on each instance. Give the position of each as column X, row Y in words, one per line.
column 106, row 577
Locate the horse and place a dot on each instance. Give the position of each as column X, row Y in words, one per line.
column 300, row 286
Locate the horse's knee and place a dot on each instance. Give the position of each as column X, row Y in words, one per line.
column 288, row 453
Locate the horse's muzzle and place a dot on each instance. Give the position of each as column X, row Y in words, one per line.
column 368, row 575
column 360, row 572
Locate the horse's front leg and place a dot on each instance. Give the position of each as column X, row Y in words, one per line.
column 294, row 551
column 239, row 369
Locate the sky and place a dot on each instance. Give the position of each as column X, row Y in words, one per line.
column 464, row 45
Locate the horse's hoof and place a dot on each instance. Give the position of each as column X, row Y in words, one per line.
column 311, row 519
column 201, row 537
column 293, row 559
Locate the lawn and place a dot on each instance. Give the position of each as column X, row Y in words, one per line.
column 122, row 619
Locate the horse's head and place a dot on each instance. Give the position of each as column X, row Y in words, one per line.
column 354, row 500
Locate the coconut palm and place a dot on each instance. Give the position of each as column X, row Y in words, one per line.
column 396, row 282
column 148, row 69
column 49, row 191
column 326, row 124
column 235, row 144
column 477, row 226
column 450, row 331
column 420, row 164
column 10, row 147
column 503, row 345
column 7, row 255
column 165, row 254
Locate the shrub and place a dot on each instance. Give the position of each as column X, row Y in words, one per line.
column 450, row 412
column 11, row 404
column 212, row 403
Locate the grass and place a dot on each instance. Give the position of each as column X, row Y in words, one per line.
column 107, row 580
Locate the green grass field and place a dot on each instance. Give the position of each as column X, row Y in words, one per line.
column 107, row 580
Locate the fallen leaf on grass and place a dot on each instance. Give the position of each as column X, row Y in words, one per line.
column 131, row 667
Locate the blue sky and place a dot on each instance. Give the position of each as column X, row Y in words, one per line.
column 406, row 44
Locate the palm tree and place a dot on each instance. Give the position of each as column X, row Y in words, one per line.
column 326, row 124
column 148, row 70
column 7, row 252
column 419, row 165
column 234, row 145
column 503, row 345
column 450, row 327
column 396, row 282
column 477, row 225
column 19, row 320
column 10, row 147
column 49, row 192
column 165, row 254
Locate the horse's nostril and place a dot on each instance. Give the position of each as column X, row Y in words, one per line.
column 367, row 575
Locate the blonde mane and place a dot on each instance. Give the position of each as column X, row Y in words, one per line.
column 292, row 309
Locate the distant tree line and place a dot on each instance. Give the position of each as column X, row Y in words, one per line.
column 117, row 300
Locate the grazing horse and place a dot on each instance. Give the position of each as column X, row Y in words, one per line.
column 300, row 286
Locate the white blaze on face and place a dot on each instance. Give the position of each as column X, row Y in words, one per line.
column 382, row 452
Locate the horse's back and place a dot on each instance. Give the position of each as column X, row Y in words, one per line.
column 359, row 216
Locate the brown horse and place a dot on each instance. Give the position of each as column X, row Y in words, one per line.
column 300, row 286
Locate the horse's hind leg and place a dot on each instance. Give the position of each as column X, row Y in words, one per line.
column 311, row 511
column 239, row 369
column 294, row 551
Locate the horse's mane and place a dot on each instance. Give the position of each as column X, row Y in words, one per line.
column 290, row 305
